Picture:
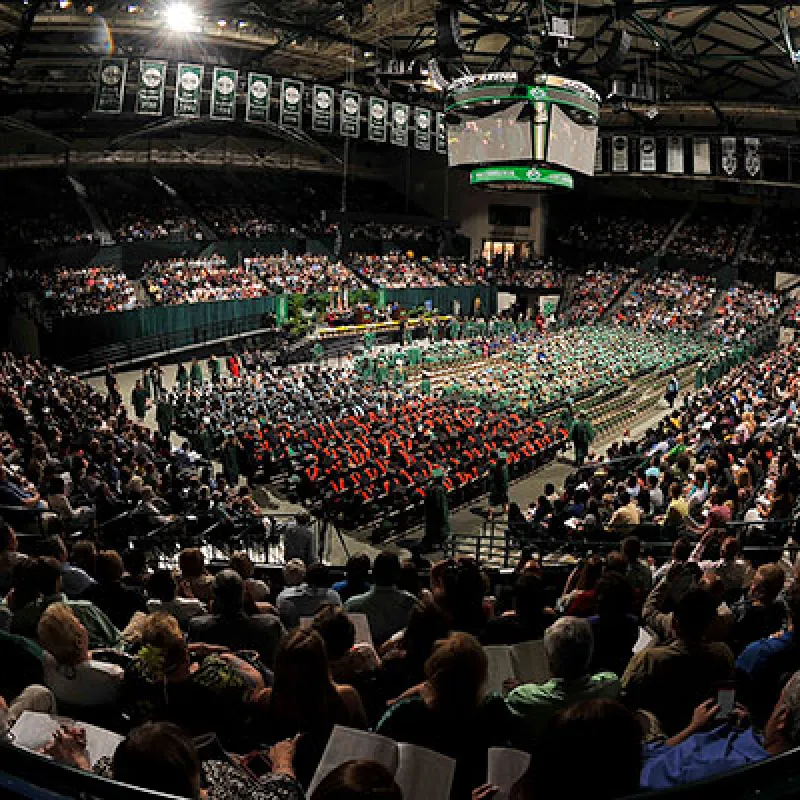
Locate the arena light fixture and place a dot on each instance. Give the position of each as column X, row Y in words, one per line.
column 180, row 17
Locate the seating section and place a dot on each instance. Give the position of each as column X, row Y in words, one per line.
column 93, row 290
column 710, row 235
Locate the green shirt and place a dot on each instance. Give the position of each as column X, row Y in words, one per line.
column 538, row 702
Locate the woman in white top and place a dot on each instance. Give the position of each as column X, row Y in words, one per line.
column 59, row 504
column 163, row 591
column 69, row 671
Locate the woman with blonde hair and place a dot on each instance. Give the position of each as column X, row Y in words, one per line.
column 75, row 678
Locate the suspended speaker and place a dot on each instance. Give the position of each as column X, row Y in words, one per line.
column 448, row 32
column 616, row 54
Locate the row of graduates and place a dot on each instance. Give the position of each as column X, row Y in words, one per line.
column 361, row 465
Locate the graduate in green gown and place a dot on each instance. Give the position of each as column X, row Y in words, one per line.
column 146, row 384
column 498, row 486
column 230, row 458
column 164, row 415
column 437, row 513
column 317, row 352
column 214, row 369
column 139, row 399
column 182, row 377
column 426, row 384
column 196, row 373
column 582, row 437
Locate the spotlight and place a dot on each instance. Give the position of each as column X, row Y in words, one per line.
column 180, row 17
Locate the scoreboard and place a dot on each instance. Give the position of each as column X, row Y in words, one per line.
column 512, row 134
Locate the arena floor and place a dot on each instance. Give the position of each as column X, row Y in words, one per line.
column 463, row 520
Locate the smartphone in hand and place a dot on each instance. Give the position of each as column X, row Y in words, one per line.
column 726, row 700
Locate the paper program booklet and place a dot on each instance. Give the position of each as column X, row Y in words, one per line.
column 524, row 663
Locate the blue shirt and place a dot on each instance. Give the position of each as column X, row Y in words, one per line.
column 753, row 659
column 701, row 756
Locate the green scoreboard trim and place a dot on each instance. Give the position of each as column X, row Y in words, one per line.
column 541, row 176
column 549, row 94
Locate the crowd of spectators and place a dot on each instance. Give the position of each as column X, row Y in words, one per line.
column 744, row 309
column 164, row 655
column 399, row 271
column 595, row 292
column 91, row 290
column 710, row 236
column 544, row 277
column 775, row 241
column 671, row 301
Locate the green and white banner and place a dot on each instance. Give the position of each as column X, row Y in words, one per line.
column 259, row 89
column 540, row 175
column 291, row 107
column 422, row 129
column 399, row 124
column 150, row 89
column 188, row 90
column 377, row 119
column 441, row 134
column 223, row 93
column 111, row 85
column 322, row 109
column 350, row 114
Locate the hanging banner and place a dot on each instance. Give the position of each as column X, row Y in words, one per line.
column 752, row 156
column 598, row 156
column 350, row 114
column 422, row 129
column 399, row 135
column 188, row 90
column 728, row 158
column 619, row 160
column 291, row 107
column 441, row 134
column 377, row 119
column 111, row 85
column 701, row 151
column 675, row 155
column 647, row 154
column 150, row 90
column 322, row 109
column 223, row 93
column 259, row 88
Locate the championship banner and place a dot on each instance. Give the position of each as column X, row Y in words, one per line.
column 223, row 93
column 322, row 109
column 647, row 154
column 399, row 135
column 150, row 91
column 291, row 107
column 111, row 85
column 701, row 150
column 188, row 90
column 350, row 114
column 259, row 88
column 422, row 129
column 752, row 156
column 675, row 155
column 728, row 154
column 377, row 119
column 441, row 134
column 619, row 154
column 598, row 156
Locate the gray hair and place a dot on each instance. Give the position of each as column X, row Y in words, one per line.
column 568, row 646
column 790, row 699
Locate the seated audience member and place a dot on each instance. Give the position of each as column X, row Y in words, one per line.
column 708, row 746
column 186, row 684
column 609, row 739
column 23, row 664
column 59, row 503
column 162, row 591
column 628, row 514
column 762, row 612
column 677, row 515
column 357, row 780
column 580, row 593
column 453, row 714
column 356, row 579
column 638, row 574
column 305, row 700
column 527, row 621
column 568, row 647
column 9, row 556
column 387, row 608
column 764, row 664
column 458, row 587
column 229, row 626
column 109, row 593
column 74, row 580
column 255, row 590
column 298, row 540
column 734, row 573
column 348, row 660
column 615, row 629
column 684, row 578
column 38, row 581
column 306, row 599
column 79, row 682
column 671, row 680
column 192, row 564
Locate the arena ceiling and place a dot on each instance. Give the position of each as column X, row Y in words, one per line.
column 711, row 53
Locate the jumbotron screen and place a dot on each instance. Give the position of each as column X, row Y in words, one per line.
column 570, row 144
column 496, row 138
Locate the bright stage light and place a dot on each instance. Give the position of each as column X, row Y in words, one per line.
column 180, row 17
